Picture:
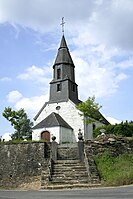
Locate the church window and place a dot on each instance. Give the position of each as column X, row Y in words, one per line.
column 73, row 88
column 58, row 73
column 58, row 87
column 58, row 108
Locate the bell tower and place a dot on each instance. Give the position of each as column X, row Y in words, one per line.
column 63, row 86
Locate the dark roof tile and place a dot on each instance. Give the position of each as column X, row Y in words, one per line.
column 52, row 120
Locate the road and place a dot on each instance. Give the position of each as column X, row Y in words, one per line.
column 99, row 193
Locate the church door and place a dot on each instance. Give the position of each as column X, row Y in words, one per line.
column 45, row 135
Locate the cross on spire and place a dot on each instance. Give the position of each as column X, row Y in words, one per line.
column 62, row 24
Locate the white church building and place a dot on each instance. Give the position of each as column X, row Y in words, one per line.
column 59, row 116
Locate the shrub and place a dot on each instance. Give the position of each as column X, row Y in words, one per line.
column 124, row 129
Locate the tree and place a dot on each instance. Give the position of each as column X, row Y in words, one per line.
column 90, row 110
column 20, row 121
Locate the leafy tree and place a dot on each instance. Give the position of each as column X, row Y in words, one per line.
column 90, row 110
column 19, row 120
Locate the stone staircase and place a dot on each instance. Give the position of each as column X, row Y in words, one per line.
column 67, row 174
column 70, row 166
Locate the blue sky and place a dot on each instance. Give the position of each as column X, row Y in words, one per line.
column 99, row 37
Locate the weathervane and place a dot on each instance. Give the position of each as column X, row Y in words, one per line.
column 62, row 24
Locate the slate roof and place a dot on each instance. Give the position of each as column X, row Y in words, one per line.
column 102, row 119
column 52, row 120
column 63, row 55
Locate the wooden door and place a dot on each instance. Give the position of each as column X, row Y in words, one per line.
column 45, row 135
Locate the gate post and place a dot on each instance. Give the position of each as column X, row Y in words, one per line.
column 81, row 146
column 54, row 149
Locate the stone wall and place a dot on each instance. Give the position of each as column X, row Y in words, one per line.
column 68, row 151
column 113, row 146
column 21, row 162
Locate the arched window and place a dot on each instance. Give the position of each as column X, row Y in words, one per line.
column 45, row 135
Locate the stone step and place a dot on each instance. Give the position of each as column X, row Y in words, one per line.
column 69, row 165
column 70, row 177
column 66, row 161
column 71, row 174
column 60, row 174
column 64, row 169
column 69, row 181
column 68, row 186
column 77, row 174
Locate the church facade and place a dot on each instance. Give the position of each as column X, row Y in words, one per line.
column 59, row 116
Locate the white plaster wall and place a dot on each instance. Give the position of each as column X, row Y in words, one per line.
column 36, row 134
column 66, row 135
column 54, row 131
column 88, row 132
column 68, row 112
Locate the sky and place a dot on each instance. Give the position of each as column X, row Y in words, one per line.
column 99, row 34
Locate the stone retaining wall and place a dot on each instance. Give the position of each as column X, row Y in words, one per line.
column 114, row 146
column 21, row 162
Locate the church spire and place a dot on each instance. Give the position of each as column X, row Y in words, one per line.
column 63, row 55
column 63, row 86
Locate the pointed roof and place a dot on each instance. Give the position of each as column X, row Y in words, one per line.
column 63, row 55
column 52, row 120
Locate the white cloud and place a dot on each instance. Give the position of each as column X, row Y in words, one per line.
column 101, row 34
column 42, row 14
column 31, row 105
column 100, row 21
column 36, row 74
column 120, row 77
column 5, row 79
column 14, row 96
column 95, row 76
column 100, row 31
column 32, row 72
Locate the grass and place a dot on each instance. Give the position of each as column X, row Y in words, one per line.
column 22, row 141
column 115, row 171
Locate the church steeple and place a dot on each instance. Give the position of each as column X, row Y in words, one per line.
column 63, row 56
column 63, row 86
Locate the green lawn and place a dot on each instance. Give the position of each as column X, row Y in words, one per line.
column 115, row 170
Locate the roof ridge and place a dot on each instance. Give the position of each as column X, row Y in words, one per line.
column 55, row 116
column 53, row 119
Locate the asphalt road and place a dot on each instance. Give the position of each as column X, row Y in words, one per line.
column 99, row 193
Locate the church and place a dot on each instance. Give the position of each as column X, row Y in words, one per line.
column 59, row 116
